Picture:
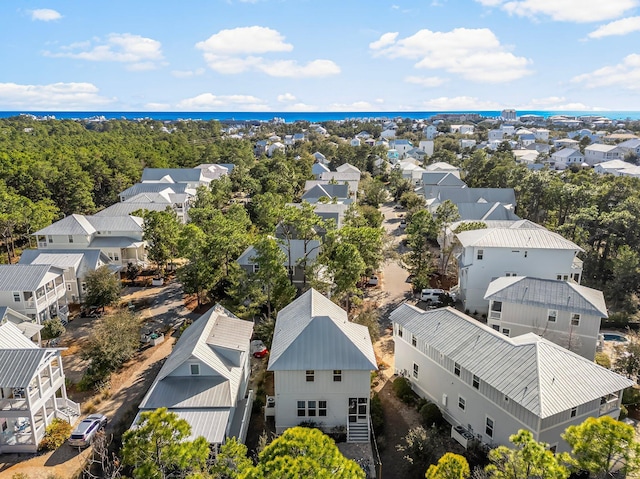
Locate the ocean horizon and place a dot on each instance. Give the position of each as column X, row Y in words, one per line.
column 290, row 117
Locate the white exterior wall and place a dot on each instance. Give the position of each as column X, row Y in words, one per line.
column 291, row 387
column 35, row 308
column 62, row 241
column 475, row 275
column 521, row 319
column 435, row 381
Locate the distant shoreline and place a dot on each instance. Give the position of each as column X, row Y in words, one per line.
column 313, row 117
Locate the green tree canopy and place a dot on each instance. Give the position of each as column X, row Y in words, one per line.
column 103, row 287
column 450, row 466
column 161, row 231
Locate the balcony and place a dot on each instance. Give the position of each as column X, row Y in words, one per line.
column 609, row 406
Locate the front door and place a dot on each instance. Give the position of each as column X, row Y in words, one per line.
column 358, row 410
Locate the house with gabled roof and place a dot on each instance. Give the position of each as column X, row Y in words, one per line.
column 563, row 312
column 32, row 391
column 598, row 153
column 119, row 237
column 489, row 386
column 75, row 264
column 524, row 250
column 322, row 367
column 35, row 290
column 320, row 158
column 205, row 378
column 566, row 157
column 192, row 177
column 458, row 196
column 318, row 168
column 321, row 190
column 27, row 326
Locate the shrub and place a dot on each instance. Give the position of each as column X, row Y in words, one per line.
column 55, row 435
column 19, row 475
column 603, row 360
column 89, row 407
column 402, row 388
column 431, row 415
column 377, row 415
column 258, row 403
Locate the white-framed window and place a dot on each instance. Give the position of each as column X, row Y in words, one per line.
column 496, row 310
column 562, row 277
column 574, row 412
column 575, row 319
column 70, row 238
column 456, row 369
column 83, row 286
column 552, row 315
column 256, row 268
column 480, row 254
column 337, row 375
column 511, row 273
column 310, row 375
column 50, row 239
column 195, row 369
column 489, row 425
column 302, row 412
column 462, row 403
column 416, row 369
column 116, row 257
column 311, row 408
column 506, row 331
column 322, row 408
column 496, row 327
column 414, row 341
column 399, row 331
column 17, row 297
column 476, row 382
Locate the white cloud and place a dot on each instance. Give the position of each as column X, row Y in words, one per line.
column 244, row 41
column 45, row 15
column 427, row 82
column 384, row 41
column 355, row 106
column 209, row 101
column 240, row 50
column 286, row 98
column 139, row 53
column 625, row 74
column 619, row 27
column 187, row 73
column 565, row 10
column 459, row 103
column 475, row 54
column 55, row 96
column 556, row 103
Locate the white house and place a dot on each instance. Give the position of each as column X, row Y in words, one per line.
column 119, row 237
column 426, row 146
column 205, row 378
column 566, row 143
column 563, row 312
column 75, row 264
column 612, row 167
column 541, row 134
column 322, row 367
column 355, row 142
column 525, row 249
column 32, row 391
column 191, row 177
column 467, row 143
column 402, row 145
column 458, row 196
column 598, row 153
column 489, row 386
column 275, row 147
column 27, row 326
column 496, row 135
column 565, row 157
column 430, row 132
column 630, row 146
column 443, row 166
column 462, row 129
column 37, row 291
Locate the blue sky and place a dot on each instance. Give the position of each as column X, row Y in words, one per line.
column 320, row 55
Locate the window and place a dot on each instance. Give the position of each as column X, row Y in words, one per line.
column 552, row 315
column 70, row 238
column 116, row 257
column 311, row 408
column 462, row 403
column 310, row 375
column 16, row 297
column 574, row 411
column 575, row 319
column 84, row 287
column 480, row 254
column 488, row 429
column 526, row 253
column 69, row 287
column 256, row 268
column 496, row 327
column 496, row 306
column 399, row 331
column 506, row 331
column 50, row 239
column 195, row 369
column 414, row 341
column 415, row 370
column 510, row 274
column 456, row 369
column 476, row 382
column 301, row 409
column 337, row 375
column 322, row 408
column 576, row 277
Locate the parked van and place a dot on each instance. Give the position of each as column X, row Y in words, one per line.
column 431, row 296
column 84, row 433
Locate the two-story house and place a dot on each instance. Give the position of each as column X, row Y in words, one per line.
column 27, row 326
column 566, row 157
column 37, row 291
column 32, row 391
column 525, row 249
column 118, row 237
column 598, row 153
column 322, row 367
column 488, row 386
column 563, row 312
column 75, row 264
column 205, row 378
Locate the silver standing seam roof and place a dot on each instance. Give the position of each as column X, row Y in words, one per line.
column 541, row 376
column 548, row 293
column 535, row 238
column 312, row 332
column 26, row 277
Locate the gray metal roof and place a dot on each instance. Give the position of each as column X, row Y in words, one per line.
column 116, row 223
column 188, row 392
column 567, row 152
column 26, row 277
column 209, row 423
column 441, row 178
column 88, row 260
column 475, row 195
column 548, row 293
column 297, row 252
column 139, row 188
column 543, row 377
column 485, row 211
column 124, row 208
column 69, row 225
column 115, row 242
column 202, row 341
column 312, row 332
column 318, row 188
column 179, row 175
column 13, row 338
column 533, row 238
